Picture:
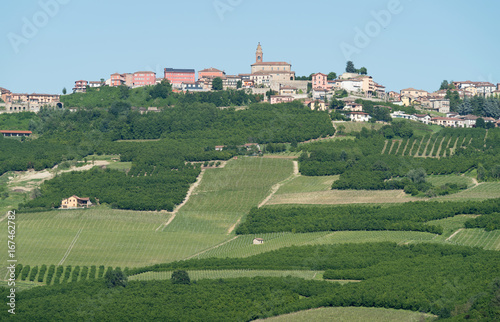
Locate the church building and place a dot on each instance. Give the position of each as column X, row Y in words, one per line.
column 279, row 71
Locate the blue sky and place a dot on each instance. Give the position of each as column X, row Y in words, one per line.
column 411, row 44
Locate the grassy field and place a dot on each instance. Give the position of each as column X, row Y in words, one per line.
column 441, row 180
column 352, row 314
column 208, row 274
column 102, row 236
column 307, row 184
column 358, row 126
column 121, row 166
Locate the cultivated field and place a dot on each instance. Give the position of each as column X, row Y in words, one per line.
column 358, row 126
column 208, row 274
column 307, row 184
column 102, row 236
column 487, row 190
column 441, row 180
column 243, row 247
column 354, row 314
column 339, row 197
column 489, row 240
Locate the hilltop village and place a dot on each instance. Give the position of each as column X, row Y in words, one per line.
column 277, row 83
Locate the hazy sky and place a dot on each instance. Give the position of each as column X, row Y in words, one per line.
column 48, row 44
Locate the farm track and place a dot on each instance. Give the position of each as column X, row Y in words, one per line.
column 188, row 195
column 385, row 146
column 70, row 247
column 276, row 187
column 454, row 234
column 211, row 248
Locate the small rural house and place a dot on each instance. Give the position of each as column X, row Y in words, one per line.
column 75, row 202
column 258, row 241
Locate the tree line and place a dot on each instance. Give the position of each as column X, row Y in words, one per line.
column 412, row 216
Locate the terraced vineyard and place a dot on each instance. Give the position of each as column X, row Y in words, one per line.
column 441, row 144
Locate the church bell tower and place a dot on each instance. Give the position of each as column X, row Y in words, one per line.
column 259, row 55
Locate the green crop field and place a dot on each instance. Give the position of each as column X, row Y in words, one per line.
column 450, row 225
column 354, row 314
column 487, row 190
column 358, row 126
column 307, row 184
column 243, row 247
column 441, row 180
column 216, row 274
column 122, row 166
column 102, row 236
column 489, row 240
column 342, row 197
column 401, row 237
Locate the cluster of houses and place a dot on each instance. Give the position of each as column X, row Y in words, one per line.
column 450, row 120
column 22, row 102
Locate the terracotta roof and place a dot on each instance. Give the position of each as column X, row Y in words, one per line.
column 211, row 69
column 320, row 74
column 15, row 132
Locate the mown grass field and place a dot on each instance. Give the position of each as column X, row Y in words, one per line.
column 307, row 184
column 351, row 127
column 352, row 314
column 102, row 236
column 342, row 197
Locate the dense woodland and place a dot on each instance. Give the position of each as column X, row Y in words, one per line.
column 408, row 216
column 160, row 95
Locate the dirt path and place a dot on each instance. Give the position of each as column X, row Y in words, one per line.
column 41, row 176
column 385, row 146
column 454, row 234
column 178, row 207
column 438, row 152
column 70, row 247
column 276, row 187
column 233, row 227
column 214, row 247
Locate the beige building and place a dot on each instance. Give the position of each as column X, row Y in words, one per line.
column 277, row 99
column 76, row 202
column 258, row 241
column 414, row 92
column 279, row 71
